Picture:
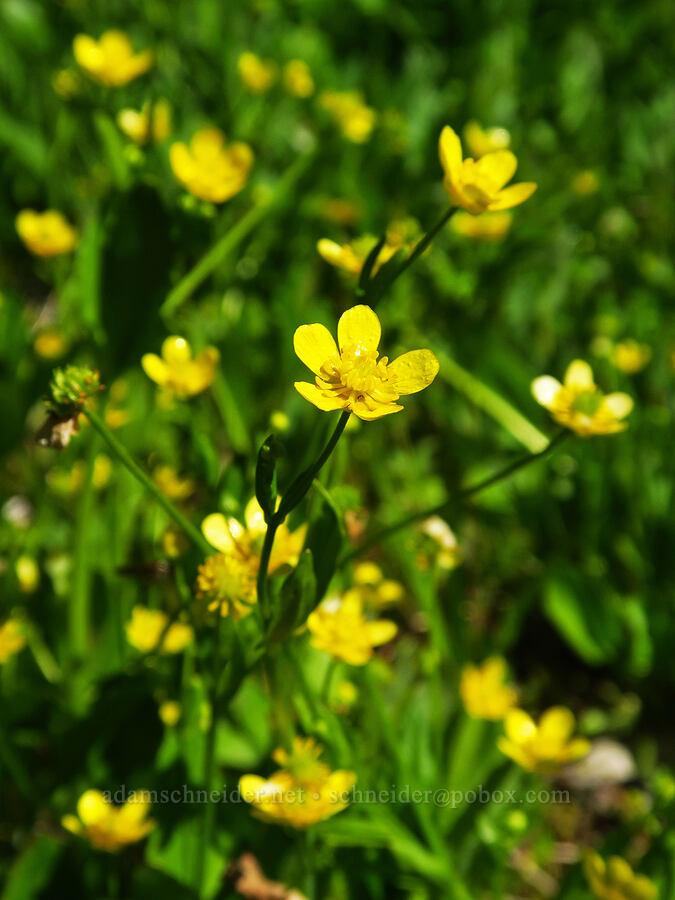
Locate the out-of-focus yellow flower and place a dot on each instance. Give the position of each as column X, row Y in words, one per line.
column 298, row 78
column 336, row 209
column 371, row 587
column 279, row 421
column 339, row 627
column 303, row 792
column 46, row 234
column 615, row 880
column 177, row 371
column 544, row 747
column 209, row 168
column 486, row 227
column 152, row 121
column 102, row 471
column 479, row 186
column 66, row 83
column 70, row 482
column 174, row 542
column 579, row 404
column 257, row 74
column 448, row 553
column 170, row 483
column 585, row 182
column 630, row 357
column 353, row 378
column 50, row 343
column 227, row 580
column 170, row 712
column 346, row 695
column 481, row 141
column 108, row 827
column 27, row 573
column 146, row 627
column 350, row 113
column 352, row 256
column 11, row 639
column 111, row 60
column 484, row 691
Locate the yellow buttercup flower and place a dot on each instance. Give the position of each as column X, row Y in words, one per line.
column 108, row 827
column 111, row 60
column 630, row 357
column 481, row 141
column 227, row 580
column 170, row 712
column 11, row 639
column 486, row 227
column 585, row 182
column 352, row 256
column 615, row 880
column 372, row 589
column 151, row 122
column 257, row 74
column 303, row 792
column 170, row 483
column 339, row 627
column 46, row 234
column 177, row 371
column 50, row 343
column 579, row 404
column 298, row 78
column 479, row 186
column 27, row 573
column 146, row 627
column 352, row 377
column 209, row 168
column 350, row 113
column 544, row 747
column 484, row 691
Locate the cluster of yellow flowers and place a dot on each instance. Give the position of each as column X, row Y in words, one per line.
column 615, row 880
column 258, row 75
column 149, row 629
column 350, row 113
column 303, row 792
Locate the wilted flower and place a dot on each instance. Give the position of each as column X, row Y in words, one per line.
column 615, row 880
column 353, row 378
column 209, row 168
column 339, row 627
column 151, row 122
column 146, row 627
column 111, row 60
column 579, row 404
column 303, row 792
column 545, row 747
column 355, row 119
column 46, row 234
column 108, row 827
column 298, row 78
column 257, row 74
column 485, row 140
column 227, row 580
column 484, row 691
column 70, row 389
column 485, row 227
column 630, row 357
column 479, row 186
column 177, row 371
column 11, row 639
column 585, row 182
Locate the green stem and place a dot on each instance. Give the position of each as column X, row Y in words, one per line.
column 233, row 237
column 441, row 508
column 422, row 244
column 209, row 808
column 78, row 608
column 127, row 460
column 292, row 498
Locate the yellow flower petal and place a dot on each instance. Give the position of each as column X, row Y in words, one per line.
column 85, row 49
column 618, row 404
column 413, row 371
column 579, row 375
column 359, row 326
column 361, row 409
column 519, row 726
column 513, row 195
column 72, row 823
column 92, row 807
column 217, row 532
column 556, row 724
column 619, row 873
column 314, row 345
column 545, row 389
column 380, row 632
column 499, row 167
column 207, row 143
column 313, row 394
column 116, row 44
column 155, row 368
column 176, row 350
column 450, row 152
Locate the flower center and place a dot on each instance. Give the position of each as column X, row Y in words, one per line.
column 588, row 402
column 359, row 370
